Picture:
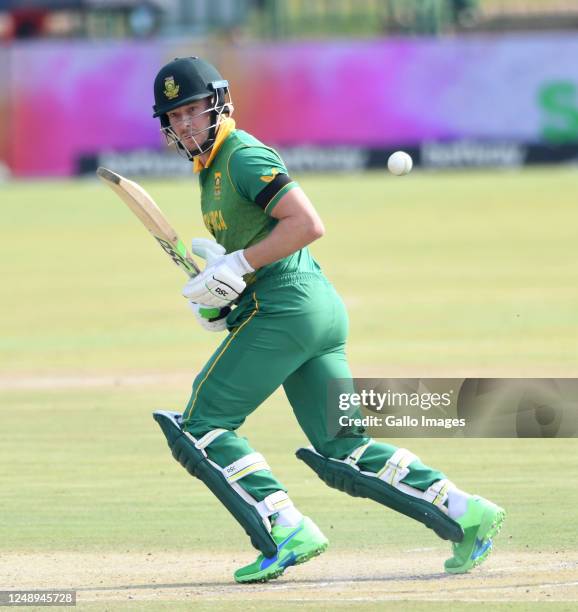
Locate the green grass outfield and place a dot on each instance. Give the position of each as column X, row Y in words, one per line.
column 448, row 274
column 468, row 271
column 90, row 470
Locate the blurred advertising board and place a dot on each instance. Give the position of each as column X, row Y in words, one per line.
column 452, row 101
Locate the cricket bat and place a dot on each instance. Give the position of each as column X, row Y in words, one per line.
column 150, row 215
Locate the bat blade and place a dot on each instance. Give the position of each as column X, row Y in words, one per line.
column 150, row 215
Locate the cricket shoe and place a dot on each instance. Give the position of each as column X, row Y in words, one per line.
column 294, row 545
column 481, row 521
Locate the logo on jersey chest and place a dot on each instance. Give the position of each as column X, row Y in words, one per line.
column 217, row 190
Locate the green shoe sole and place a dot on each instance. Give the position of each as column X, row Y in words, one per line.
column 489, row 527
column 291, row 559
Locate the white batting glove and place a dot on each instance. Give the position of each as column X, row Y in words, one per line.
column 222, row 280
column 209, row 318
column 209, row 250
column 221, row 283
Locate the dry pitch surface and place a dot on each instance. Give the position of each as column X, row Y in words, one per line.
column 356, row 579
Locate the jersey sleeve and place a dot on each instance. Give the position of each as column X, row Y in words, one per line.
column 259, row 175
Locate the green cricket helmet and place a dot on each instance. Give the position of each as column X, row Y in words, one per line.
column 185, row 80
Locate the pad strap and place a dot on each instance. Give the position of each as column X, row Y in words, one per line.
column 273, row 503
column 437, row 493
column 357, row 454
column 244, row 466
column 209, row 437
column 396, row 467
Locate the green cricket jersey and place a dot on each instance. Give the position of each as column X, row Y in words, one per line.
column 240, row 186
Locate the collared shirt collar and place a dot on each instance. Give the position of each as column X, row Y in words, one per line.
column 225, row 128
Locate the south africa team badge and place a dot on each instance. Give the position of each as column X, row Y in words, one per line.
column 171, row 88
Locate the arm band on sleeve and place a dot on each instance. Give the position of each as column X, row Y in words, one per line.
column 273, row 188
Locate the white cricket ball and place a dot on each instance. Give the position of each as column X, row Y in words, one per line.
column 399, row 163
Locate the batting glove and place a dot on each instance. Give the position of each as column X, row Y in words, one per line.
column 221, row 283
column 211, row 319
column 209, row 250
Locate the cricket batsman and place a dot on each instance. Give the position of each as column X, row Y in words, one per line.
column 285, row 325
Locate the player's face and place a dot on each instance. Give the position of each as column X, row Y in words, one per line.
column 191, row 123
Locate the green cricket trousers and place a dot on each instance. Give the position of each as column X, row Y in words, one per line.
column 288, row 330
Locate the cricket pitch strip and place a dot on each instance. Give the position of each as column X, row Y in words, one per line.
column 112, row 578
